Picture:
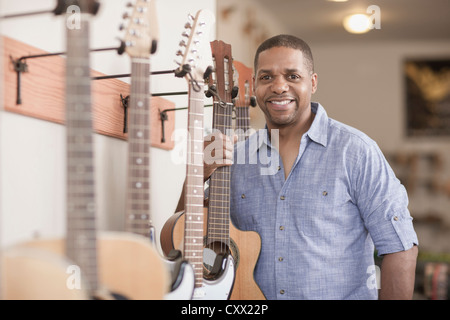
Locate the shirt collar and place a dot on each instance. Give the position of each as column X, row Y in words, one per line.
column 318, row 132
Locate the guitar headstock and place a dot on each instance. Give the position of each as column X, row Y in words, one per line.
column 141, row 35
column 197, row 57
column 244, row 76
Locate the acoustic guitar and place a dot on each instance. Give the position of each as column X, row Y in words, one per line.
column 221, row 235
column 142, row 33
column 109, row 265
column 196, row 67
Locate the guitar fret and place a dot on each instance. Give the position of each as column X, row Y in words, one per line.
column 194, row 205
column 219, row 207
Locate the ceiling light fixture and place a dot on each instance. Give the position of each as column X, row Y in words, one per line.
column 357, row 23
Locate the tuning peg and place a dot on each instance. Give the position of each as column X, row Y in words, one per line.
column 191, row 17
column 187, row 25
column 185, row 34
column 121, row 26
column 126, row 15
column 208, row 72
column 234, row 92
column 179, row 53
column 154, row 46
column 182, row 43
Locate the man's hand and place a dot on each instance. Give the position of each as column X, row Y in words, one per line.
column 218, row 152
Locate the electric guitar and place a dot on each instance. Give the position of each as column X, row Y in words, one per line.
column 97, row 264
column 141, row 40
column 222, row 237
column 196, row 67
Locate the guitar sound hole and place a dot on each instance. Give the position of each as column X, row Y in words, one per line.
column 214, row 254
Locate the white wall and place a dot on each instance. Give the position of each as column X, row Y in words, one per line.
column 32, row 156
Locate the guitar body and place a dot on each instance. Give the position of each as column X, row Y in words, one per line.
column 221, row 287
column 245, row 287
column 128, row 265
column 217, row 288
column 183, row 279
column 35, row 274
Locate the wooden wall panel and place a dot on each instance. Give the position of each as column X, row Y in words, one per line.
column 43, row 95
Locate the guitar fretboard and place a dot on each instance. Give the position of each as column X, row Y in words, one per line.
column 219, row 186
column 193, row 238
column 138, row 218
column 81, row 206
column 242, row 120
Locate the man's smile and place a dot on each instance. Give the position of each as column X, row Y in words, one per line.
column 280, row 104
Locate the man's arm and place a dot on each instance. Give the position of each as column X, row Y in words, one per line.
column 398, row 275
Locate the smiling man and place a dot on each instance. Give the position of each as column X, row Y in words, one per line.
column 333, row 200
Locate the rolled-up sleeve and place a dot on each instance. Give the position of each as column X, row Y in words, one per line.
column 383, row 203
column 393, row 232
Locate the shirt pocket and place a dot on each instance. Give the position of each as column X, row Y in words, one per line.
column 323, row 211
column 245, row 209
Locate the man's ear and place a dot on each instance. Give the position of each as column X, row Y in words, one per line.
column 314, row 81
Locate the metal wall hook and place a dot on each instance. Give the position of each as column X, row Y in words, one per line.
column 21, row 66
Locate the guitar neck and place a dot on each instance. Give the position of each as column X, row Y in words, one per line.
column 193, row 239
column 242, row 121
column 138, row 193
column 219, row 186
column 81, row 206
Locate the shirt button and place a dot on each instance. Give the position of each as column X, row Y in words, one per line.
column 282, row 197
column 279, row 168
column 243, row 196
column 282, row 291
column 281, row 227
column 325, row 193
column 280, row 259
column 396, row 218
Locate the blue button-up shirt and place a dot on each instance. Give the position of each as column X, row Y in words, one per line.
column 319, row 226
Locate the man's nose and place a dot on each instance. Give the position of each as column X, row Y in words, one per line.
column 280, row 85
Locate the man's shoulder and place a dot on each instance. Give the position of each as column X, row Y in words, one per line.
column 346, row 133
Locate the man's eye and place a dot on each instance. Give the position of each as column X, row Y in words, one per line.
column 264, row 77
column 294, row 77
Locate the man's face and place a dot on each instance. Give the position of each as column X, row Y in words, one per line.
column 283, row 86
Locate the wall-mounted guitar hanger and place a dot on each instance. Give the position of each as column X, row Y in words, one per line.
column 20, row 65
column 42, row 93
